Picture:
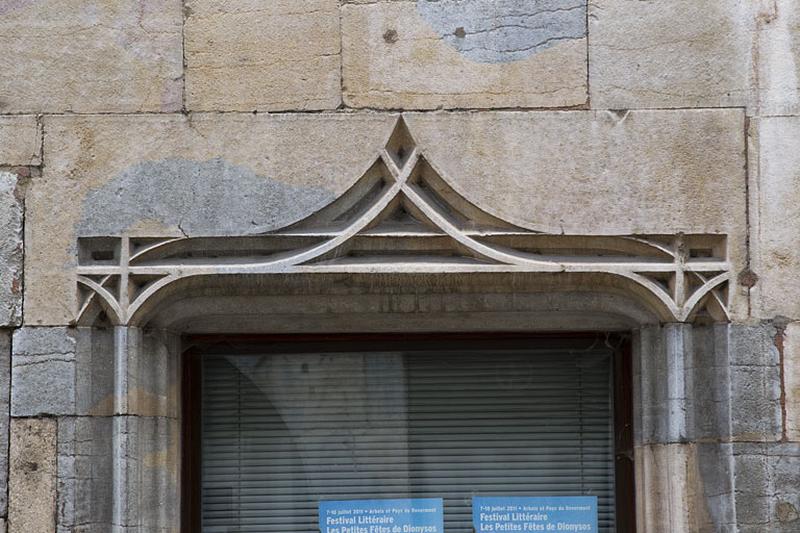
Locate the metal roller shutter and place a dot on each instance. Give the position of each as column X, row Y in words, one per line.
column 280, row 433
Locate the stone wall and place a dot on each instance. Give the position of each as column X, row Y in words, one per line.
column 172, row 119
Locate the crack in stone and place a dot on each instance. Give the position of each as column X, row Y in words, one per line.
column 497, row 32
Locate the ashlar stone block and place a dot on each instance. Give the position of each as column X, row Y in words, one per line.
column 657, row 54
column 32, row 483
column 454, row 54
column 43, row 372
column 767, row 476
column 230, row 174
column 684, row 487
column 777, row 57
column 775, row 217
column 5, row 384
column 148, row 463
column 791, row 373
column 85, row 488
column 255, row 55
column 91, row 56
column 20, row 140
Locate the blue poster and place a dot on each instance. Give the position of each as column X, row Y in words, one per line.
column 553, row 513
column 416, row 515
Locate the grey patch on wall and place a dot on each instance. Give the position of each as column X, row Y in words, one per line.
column 500, row 31
column 7, row 6
column 199, row 198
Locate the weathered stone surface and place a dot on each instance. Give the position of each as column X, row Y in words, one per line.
column 255, row 55
column 70, row 371
column 791, row 373
column 506, row 30
column 150, row 384
column 662, row 403
column 633, row 172
column 775, row 195
column 43, row 372
column 228, row 174
column 707, row 383
column 777, row 58
column 626, row 173
column 11, row 250
column 148, row 456
column 709, row 403
column 20, row 141
column 767, row 476
column 754, row 383
column 639, row 173
column 464, row 54
column 669, row 54
column 32, row 483
column 5, row 384
column 102, row 56
column 684, row 487
column 85, row 495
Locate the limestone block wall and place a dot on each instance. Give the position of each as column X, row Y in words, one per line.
column 171, row 119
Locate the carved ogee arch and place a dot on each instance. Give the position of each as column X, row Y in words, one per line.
column 402, row 216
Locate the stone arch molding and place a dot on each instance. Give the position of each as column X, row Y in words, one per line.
column 403, row 217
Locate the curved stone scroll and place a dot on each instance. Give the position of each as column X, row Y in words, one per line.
column 402, row 216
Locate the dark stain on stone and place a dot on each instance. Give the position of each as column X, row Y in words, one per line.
column 748, row 278
column 390, row 36
column 197, row 198
column 460, row 32
column 786, row 512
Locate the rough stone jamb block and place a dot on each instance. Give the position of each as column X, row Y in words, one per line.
column 43, row 372
column 145, row 457
column 11, row 250
column 32, row 483
column 84, row 474
column 791, row 380
column 708, row 384
column 661, row 473
column 756, row 413
column 784, row 474
column 94, row 372
column 679, row 350
column 146, row 487
column 146, row 366
column 682, row 384
column 663, row 387
column 684, row 487
column 716, row 485
column 767, row 477
column 5, row 385
column 62, row 371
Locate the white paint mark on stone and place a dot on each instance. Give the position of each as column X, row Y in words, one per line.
column 501, row 31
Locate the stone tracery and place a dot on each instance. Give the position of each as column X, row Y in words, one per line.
column 402, row 216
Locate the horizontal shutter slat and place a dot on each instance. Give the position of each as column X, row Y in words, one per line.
column 282, row 432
